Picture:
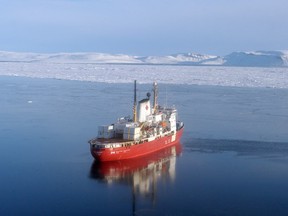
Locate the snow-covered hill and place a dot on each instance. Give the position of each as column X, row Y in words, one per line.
column 67, row 57
column 181, row 58
column 249, row 59
column 257, row 59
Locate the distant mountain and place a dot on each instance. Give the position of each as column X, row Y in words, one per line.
column 243, row 59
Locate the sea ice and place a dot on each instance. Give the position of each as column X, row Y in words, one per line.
column 169, row 74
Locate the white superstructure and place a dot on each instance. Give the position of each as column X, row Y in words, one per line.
column 149, row 124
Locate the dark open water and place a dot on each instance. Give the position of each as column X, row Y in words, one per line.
column 46, row 167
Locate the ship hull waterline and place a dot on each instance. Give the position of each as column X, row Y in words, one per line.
column 133, row 151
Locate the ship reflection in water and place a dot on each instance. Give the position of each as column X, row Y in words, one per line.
column 142, row 173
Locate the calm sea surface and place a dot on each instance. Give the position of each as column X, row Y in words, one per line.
column 232, row 160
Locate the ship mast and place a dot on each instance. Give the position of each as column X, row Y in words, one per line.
column 135, row 104
column 155, row 92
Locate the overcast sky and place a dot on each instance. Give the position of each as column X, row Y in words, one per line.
column 143, row 27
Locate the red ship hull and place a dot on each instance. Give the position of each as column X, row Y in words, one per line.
column 126, row 168
column 133, row 151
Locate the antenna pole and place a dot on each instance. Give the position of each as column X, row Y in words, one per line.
column 135, row 104
column 155, row 91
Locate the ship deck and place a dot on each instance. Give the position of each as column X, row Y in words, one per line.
column 107, row 141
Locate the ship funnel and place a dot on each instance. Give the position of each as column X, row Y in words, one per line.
column 144, row 110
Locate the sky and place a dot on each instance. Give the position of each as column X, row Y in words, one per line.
column 143, row 27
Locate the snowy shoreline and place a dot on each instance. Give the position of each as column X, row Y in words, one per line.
column 168, row 74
